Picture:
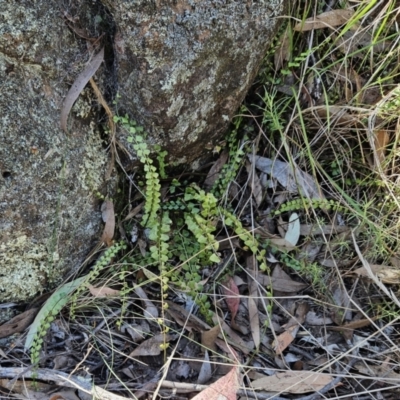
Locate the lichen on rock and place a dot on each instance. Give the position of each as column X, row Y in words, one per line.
column 49, row 215
column 94, row 161
column 184, row 66
column 25, row 267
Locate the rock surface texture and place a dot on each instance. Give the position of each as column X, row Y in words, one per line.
column 181, row 67
column 184, row 66
column 49, row 218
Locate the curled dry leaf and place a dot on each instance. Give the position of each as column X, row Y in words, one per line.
column 68, row 394
column 293, row 382
column 107, row 212
column 327, row 19
column 224, row 388
column 254, row 184
column 150, row 310
column 283, row 51
column 293, row 231
column 103, row 291
column 231, row 291
column 18, row 324
column 152, row 346
column 77, row 87
column 205, row 373
column 385, row 273
column 372, row 276
column 252, row 267
column 289, row 176
column 352, row 42
column 137, row 332
column 347, row 329
column 280, row 281
column 291, row 329
column 381, row 141
column 209, row 337
column 384, row 371
column 215, row 170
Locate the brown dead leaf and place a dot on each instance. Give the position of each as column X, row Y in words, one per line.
column 357, row 324
column 137, row 332
column 282, row 243
column 282, row 53
column 152, row 346
column 327, row 19
column 215, row 170
column 107, row 211
column 381, row 141
column 284, row 339
column 293, row 382
column 26, row 389
column 352, row 41
column 232, row 299
column 209, row 337
column 339, row 114
column 135, row 211
column 224, row 388
column 252, row 268
column 291, row 329
column 288, row 175
column 384, row 371
column 255, row 184
column 235, row 339
column 150, row 310
column 186, row 318
column 385, row 273
column 372, row 276
column 68, row 394
column 103, row 291
column 77, row 87
column 18, row 324
column 280, row 281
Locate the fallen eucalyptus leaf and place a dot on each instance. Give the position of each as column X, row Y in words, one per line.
column 292, row 178
column 77, row 87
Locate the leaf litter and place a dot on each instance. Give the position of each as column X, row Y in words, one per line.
column 321, row 319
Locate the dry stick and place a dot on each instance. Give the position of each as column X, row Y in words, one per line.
column 62, row 379
column 111, row 125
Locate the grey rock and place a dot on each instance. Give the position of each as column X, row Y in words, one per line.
column 182, row 69
column 184, row 66
column 49, row 216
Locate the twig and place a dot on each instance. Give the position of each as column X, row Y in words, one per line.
column 61, row 379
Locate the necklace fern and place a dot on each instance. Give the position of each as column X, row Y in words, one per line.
column 46, row 316
column 153, row 185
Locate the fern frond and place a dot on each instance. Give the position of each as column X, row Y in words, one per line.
column 46, row 315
